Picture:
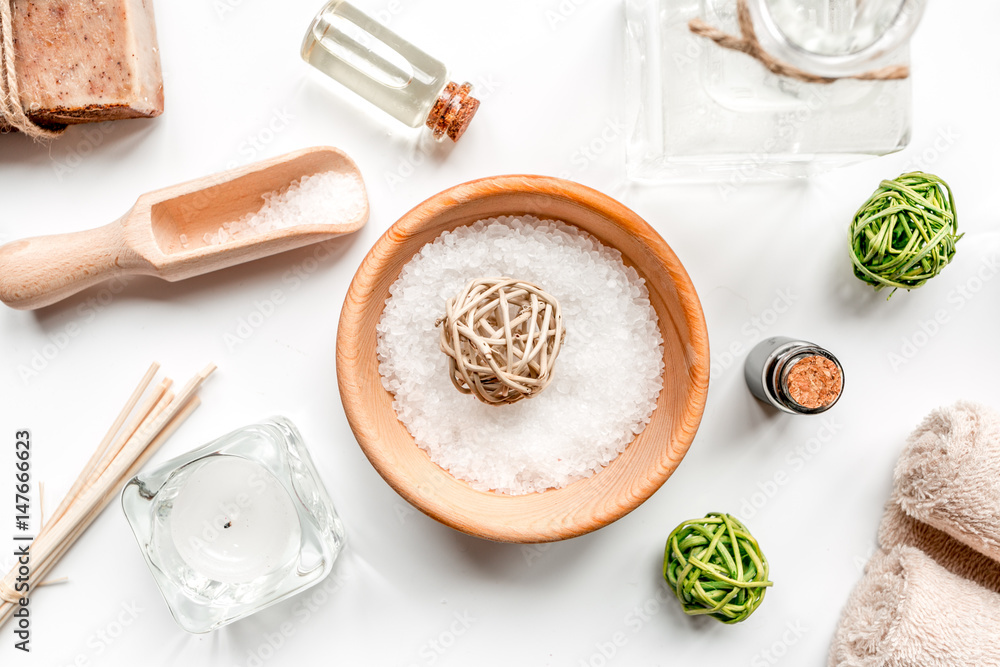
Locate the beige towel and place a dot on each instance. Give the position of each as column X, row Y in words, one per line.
column 930, row 596
column 908, row 611
column 949, row 476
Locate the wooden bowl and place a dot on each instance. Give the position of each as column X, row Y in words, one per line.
column 555, row 514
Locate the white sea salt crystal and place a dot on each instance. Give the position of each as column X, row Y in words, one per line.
column 325, row 198
column 605, row 382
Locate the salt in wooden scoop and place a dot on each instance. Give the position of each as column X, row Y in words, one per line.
column 163, row 235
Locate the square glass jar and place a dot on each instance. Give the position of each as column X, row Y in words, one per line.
column 698, row 111
column 235, row 526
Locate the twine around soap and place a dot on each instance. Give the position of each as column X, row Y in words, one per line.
column 748, row 43
column 502, row 337
column 715, row 567
column 12, row 112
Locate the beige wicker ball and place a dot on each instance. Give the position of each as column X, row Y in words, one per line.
column 502, row 337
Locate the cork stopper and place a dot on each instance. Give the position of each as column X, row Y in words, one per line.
column 453, row 111
column 814, row 382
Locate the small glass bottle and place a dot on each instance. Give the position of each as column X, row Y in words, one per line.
column 351, row 47
column 700, row 111
column 794, row 376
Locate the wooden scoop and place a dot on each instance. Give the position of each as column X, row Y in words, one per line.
column 147, row 240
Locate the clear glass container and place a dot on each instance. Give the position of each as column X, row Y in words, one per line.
column 698, row 111
column 235, row 526
column 353, row 48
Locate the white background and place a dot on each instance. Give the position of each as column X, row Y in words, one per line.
column 551, row 85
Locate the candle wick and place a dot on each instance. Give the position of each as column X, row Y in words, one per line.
column 227, row 524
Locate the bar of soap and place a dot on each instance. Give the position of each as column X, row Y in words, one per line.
column 82, row 61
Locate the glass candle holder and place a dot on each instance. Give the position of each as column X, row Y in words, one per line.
column 235, row 526
column 699, row 111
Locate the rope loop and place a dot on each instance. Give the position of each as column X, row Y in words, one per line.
column 748, row 43
column 12, row 112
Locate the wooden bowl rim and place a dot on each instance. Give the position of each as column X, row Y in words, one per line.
column 410, row 225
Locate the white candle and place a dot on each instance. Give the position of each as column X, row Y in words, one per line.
column 233, row 522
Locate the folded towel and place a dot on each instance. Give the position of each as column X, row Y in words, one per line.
column 949, row 476
column 930, row 595
column 908, row 611
column 898, row 529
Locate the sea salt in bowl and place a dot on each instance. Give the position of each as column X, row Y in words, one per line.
column 584, row 505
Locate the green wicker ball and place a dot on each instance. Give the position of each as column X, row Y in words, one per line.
column 905, row 234
column 715, row 567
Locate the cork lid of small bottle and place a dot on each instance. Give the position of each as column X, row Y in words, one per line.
column 814, row 382
column 453, row 111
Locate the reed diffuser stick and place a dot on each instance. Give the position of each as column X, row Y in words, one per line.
column 134, row 436
column 108, row 437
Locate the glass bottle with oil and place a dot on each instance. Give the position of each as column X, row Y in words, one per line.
column 362, row 54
